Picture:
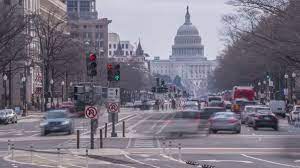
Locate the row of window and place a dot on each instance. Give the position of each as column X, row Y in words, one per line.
column 83, row 6
column 187, row 51
column 126, row 53
column 115, row 46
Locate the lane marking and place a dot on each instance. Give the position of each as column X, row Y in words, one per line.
column 7, row 158
column 137, row 161
column 267, row 161
column 162, row 128
column 236, row 161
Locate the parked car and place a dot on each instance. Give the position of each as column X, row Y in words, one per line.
column 264, row 119
column 295, row 113
column 186, row 121
column 278, row 107
column 57, row 121
column 250, row 111
column 8, row 116
column 224, row 121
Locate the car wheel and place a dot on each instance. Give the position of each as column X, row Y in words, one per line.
column 255, row 127
column 44, row 132
column 214, row 131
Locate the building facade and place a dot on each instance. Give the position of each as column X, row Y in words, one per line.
column 31, row 70
column 187, row 60
column 82, row 9
column 113, row 42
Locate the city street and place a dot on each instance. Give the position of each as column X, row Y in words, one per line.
column 146, row 145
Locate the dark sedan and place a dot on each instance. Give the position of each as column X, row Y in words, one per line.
column 57, row 121
column 264, row 119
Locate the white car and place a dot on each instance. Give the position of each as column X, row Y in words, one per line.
column 295, row 113
column 250, row 111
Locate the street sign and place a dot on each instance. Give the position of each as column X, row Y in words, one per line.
column 271, row 84
column 91, row 112
column 113, row 107
column 113, row 94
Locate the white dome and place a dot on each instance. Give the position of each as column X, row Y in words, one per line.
column 187, row 30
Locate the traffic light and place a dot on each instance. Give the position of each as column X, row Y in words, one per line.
column 92, row 64
column 153, row 89
column 157, row 82
column 110, row 72
column 162, row 83
column 117, row 72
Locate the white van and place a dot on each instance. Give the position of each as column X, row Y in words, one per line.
column 278, row 107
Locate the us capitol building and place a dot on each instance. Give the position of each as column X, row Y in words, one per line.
column 187, row 60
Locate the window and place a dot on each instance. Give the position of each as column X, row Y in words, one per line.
column 109, row 46
column 7, row 2
column 20, row 2
column 98, row 35
column 97, row 26
column 109, row 52
column 115, row 46
column 123, row 46
column 126, row 46
column 72, row 6
column 130, row 52
column 84, row 6
column 126, row 52
column 101, row 26
column 84, row 26
column 101, row 44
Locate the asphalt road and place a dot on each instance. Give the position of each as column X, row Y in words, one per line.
column 146, row 145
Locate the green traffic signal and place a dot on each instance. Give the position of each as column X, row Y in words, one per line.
column 117, row 77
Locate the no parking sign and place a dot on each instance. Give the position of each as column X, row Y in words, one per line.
column 91, row 112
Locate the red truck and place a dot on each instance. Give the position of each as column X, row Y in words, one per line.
column 242, row 96
column 243, row 92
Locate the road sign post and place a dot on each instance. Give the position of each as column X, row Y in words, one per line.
column 92, row 113
column 113, row 97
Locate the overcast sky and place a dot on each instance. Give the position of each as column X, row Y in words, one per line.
column 156, row 22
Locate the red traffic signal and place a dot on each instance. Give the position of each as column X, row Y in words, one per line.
column 92, row 57
column 109, row 66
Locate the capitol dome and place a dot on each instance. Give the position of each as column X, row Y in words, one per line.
column 187, row 42
column 187, row 33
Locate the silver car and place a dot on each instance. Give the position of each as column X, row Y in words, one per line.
column 224, row 121
column 57, row 121
column 8, row 116
column 250, row 111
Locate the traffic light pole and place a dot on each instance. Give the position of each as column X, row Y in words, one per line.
column 113, row 115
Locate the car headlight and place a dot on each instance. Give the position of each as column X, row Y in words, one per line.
column 65, row 122
column 44, row 123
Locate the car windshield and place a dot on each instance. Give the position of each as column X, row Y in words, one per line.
column 54, row 115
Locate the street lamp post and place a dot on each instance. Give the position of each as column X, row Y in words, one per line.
column 52, row 91
column 286, row 77
column 293, row 87
column 62, row 91
column 259, row 89
column 24, row 96
column 71, row 85
column 5, row 89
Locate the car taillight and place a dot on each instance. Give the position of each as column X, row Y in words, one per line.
column 232, row 120
column 258, row 117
